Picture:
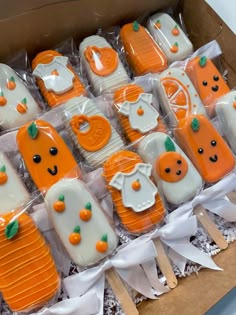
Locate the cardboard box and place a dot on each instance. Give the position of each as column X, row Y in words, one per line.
column 41, row 24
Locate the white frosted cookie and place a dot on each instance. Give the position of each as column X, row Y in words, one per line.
column 80, row 222
column 17, row 106
column 102, row 64
column 178, row 96
column 226, row 113
column 174, row 173
column 170, row 37
column 13, row 193
column 90, row 130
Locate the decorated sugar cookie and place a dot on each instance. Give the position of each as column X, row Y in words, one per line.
column 102, row 64
column 136, row 112
column 226, row 113
column 28, row 277
column 170, row 37
column 17, row 106
column 172, row 170
column 178, row 95
column 142, row 52
column 45, row 154
column 208, row 82
column 136, row 198
column 80, row 222
column 56, row 79
column 205, row 147
column 13, row 193
column 90, row 130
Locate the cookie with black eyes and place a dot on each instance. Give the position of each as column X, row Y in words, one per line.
column 45, row 154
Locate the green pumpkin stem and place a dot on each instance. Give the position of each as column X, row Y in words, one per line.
column 195, row 124
column 33, row 130
column 61, row 198
column 3, row 169
column 104, row 238
column 77, row 229
column 88, row 206
column 169, row 145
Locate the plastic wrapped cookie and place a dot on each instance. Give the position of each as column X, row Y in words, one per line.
column 28, row 276
column 170, row 37
column 142, row 52
column 90, row 130
column 57, row 80
column 80, row 222
column 178, row 96
column 102, row 64
column 172, row 170
column 13, row 193
column 17, row 106
column 46, row 156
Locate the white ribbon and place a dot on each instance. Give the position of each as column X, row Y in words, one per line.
column 85, row 305
column 213, row 199
column 126, row 262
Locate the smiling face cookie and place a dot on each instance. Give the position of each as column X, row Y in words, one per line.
column 205, row 147
column 46, row 155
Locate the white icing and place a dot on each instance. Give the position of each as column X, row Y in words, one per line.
column 76, row 196
column 138, row 200
column 166, row 39
column 13, row 193
column 150, row 148
column 145, row 122
column 226, row 114
column 9, row 115
column 60, row 83
column 107, row 83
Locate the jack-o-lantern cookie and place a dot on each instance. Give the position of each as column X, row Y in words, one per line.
column 80, row 222
column 17, row 106
column 102, row 64
column 172, row 170
column 45, row 154
column 133, row 192
column 205, row 147
column 142, row 52
column 208, row 82
column 57, row 80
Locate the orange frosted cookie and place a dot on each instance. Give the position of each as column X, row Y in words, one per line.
column 45, row 154
column 136, row 198
column 205, row 147
column 208, row 82
column 136, row 113
column 28, row 275
column 57, row 80
column 142, row 52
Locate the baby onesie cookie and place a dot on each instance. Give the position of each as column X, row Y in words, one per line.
column 46, row 156
column 28, row 275
column 17, row 106
column 13, row 193
column 142, row 52
column 170, row 37
column 178, row 96
column 208, row 82
column 57, row 80
column 80, row 222
column 133, row 192
column 102, row 64
column 205, row 147
column 90, row 130
column 136, row 113
column 172, row 170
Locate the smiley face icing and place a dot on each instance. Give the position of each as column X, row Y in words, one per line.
column 17, row 106
column 205, row 147
column 45, row 154
column 80, row 222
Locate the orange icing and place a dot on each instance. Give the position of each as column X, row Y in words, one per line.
column 63, row 162
column 216, row 160
column 52, row 98
column 130, row 93
column 28, row 275
column 142, row 52
column 125, row 161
